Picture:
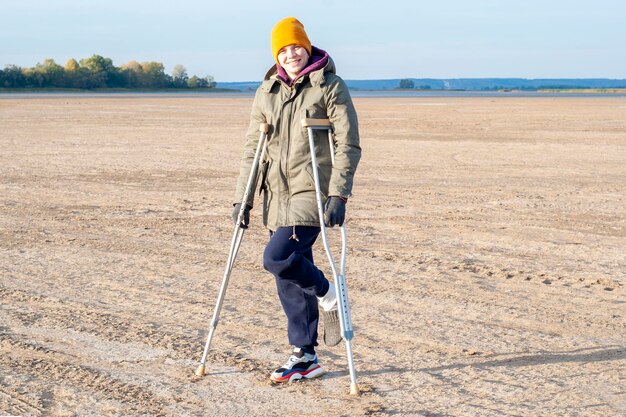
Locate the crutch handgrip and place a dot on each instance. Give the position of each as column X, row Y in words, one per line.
column 322, row 123
column 264, row 127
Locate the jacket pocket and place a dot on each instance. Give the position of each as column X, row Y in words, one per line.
column 322, row 178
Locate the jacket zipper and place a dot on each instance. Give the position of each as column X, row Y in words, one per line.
column 289, row 109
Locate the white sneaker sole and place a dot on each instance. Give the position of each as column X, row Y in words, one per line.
column 309, row 375
column 313, row 373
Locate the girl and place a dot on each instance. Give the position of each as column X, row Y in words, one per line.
column 302, row 84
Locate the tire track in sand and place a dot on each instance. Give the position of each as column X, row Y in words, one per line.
column 19, row 404
column 116, row 327
column 49, row 365
column 112, row 326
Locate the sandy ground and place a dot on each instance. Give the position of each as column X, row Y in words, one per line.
column 486, row 267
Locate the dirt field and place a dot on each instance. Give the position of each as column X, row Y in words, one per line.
column 486, row 267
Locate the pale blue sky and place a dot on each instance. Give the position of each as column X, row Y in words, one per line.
column 367, row 39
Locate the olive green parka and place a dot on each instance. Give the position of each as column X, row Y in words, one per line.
column 286, row 179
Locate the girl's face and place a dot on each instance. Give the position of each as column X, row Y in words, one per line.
column 293, row 59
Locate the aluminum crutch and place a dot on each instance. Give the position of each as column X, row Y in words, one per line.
column 235, row 243
column 339, row 277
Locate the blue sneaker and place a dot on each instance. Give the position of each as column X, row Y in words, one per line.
column 299, row 365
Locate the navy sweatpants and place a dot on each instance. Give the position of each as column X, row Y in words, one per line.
column 299, row 282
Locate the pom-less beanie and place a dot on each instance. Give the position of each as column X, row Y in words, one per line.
column 289, row 31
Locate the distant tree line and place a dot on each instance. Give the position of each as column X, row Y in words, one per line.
column 502, row 84
column 407, row 83
column 99, row 72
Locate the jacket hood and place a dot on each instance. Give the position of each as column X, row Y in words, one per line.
column 319, row 63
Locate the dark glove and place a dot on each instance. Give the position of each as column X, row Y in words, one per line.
column 335, row 211
column 246, row 215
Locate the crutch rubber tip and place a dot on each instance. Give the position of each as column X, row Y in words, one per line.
column 354, row 389
column 200, row 370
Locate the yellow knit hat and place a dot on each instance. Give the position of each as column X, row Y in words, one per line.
column 289, row 31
